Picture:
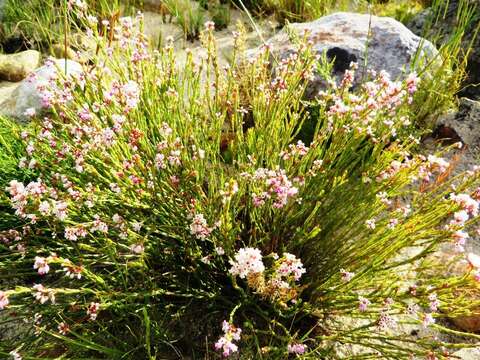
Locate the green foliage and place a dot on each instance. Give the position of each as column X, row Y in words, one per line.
column 42, row 22
column 220, row 14
column 448, row 71
column 133, row 191
column 189, row 16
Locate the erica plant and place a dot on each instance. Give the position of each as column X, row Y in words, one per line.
column 161, row 210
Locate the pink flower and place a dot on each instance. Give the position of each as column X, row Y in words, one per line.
column 412, row 81
column 428, row 320
column 346, row 276
column 41, row 265
column 467, row 203
column 43, row 294
column 370, row 223
column 199, row 227
column 363, row 303
column 71, row 270
column 92, row 310
column 209, row 25
column 30, row 112
column 386, row 321
column 460, row 238
column 278, row 187
column 247, row 261
column 15, row 355
column 437, row 163
column 434, row 302
column 131, row 93
column 289, row 264
column 296, row 348
column 460, row 217
column 473, row 260
column 60, row 210
column 160, row 161
column 3, row 300
column 63, row 328
column 225, row 343
column 137, row 248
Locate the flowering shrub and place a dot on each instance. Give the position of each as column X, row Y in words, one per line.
column 162, row 210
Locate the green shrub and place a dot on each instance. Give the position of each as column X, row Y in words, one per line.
column 42, row 22
column 189, row 15
column 173, row 212
column 220, row 14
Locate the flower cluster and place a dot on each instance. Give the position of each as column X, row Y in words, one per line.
column 199, row 227
column 289, row 266
column 41, row 265
column 36, row 200
column 275, row 186
column 278, row 283
column 294, row 151
column 43, row 294
column 247, row 261
column 92, row 311
column 226, row 342
column 381, row 95
column 297, row 349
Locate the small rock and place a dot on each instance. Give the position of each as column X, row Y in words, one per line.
column 467, row 354
column 6, row 89
column 468, row 323
column 462, row 125
column 16, row 67
column 382, row 42
column 27, row 94
column 60, row 53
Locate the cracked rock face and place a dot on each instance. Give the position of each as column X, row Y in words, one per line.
column 462, row 125
column 381, row 43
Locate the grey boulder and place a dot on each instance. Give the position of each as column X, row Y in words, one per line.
column 16, row 67
column 381, row 43
column 28, row 94
column 462, row 125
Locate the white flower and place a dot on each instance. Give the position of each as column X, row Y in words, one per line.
column 199, row 227
column 370, row 224
column 291, row 265
column 92, row 310
column 43, row 294
column 41, row 265
column 137, row 248
column 15, row 355
column 247, row 261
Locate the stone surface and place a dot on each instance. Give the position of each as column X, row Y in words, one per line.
column 16, row 67
column 59, row 52
column 345, row 37
column 27, row 94
column 462, row 125
column 449, row 21
column 6, row 89
column 467, row 354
